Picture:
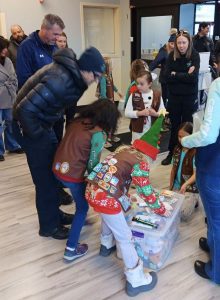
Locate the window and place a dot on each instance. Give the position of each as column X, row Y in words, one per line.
column 100, row 28
column 205, row 13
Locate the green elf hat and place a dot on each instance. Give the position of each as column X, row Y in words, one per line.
column 148, row 143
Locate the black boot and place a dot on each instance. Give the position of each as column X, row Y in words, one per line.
column 203, row 244
column 167, row 160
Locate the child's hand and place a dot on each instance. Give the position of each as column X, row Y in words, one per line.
column 183, row 188
column 143, row 113
column 153, row 113
column 120, row 95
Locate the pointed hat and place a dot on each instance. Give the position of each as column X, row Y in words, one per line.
column 148, row 143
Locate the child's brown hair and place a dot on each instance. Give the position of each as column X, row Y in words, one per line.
column 147, row 75
column 136, row 66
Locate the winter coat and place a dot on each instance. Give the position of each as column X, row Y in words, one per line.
column 8, row 84
column 160, row 59
column 182, row 83
column 13, row 49
column 32, row 55
column 42, row 99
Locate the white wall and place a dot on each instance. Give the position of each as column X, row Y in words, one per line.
column 29, row 14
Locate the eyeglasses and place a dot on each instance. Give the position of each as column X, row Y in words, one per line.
column 97, row 76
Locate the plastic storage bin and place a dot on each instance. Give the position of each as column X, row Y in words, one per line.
column 154, row 244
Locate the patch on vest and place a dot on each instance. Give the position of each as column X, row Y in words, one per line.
column 64, row 168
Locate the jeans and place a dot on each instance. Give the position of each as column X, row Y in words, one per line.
column 209, row 189
column 77, row 190
column 40, row 154
column 9, row 142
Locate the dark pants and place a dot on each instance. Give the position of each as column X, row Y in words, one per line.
column 40, row 153
column 164, row 92
column 209, row 190
column 181, row 109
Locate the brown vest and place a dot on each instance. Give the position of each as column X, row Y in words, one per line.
column 187, row 168
column 70, row 161
column 113, row 174
column 137, row 125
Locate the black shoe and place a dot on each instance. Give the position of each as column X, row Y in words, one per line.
column 199, row 267
column 2, row 158
column 65, row 198
column 66, row 219
column 16, row 151
column 59, row 233
column 167, row 160
column 203, row 244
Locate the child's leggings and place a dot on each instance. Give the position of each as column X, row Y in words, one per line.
column 117, row 225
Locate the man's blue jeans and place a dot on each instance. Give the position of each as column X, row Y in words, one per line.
column 209, row 189
column 78, row 192
column 9, row 142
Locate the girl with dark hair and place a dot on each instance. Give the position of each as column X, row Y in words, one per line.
column 183, row 173
column 78, row 152
column 182, row 70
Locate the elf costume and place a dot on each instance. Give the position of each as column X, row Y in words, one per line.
column 107, row 193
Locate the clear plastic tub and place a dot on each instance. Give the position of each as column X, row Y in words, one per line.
column 155, row 244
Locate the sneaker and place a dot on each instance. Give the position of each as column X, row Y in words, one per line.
column 167, row 160
column 2, row 158
column 115, row 139
column 71, row 254
column 108, row 145
column 105, row 251
column 16, row 151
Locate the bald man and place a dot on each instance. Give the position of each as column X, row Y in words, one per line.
column 17, row 36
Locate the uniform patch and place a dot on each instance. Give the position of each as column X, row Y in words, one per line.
column 112, row 161
column 105, row 168
column 64, row 168
column 98, row 167
column 92, row 175
column 113, row 190
column 57, row 166
column 114, row 180
column 104, row 185
column 113, row 169
column 107, row 177
column 100, row 175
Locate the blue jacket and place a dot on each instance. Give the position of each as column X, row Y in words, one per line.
column 207, row 139
column 32, row 55
column 160, row 59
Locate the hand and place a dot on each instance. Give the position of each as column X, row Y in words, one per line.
column 191, row 70
column 153, row 113
column 173, row 73
column 143, row 113
column 183, row 188
column 215, row 66
column 120, row 95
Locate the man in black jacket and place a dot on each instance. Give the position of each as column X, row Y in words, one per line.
column 39, row 104
column 203, row 43
column 16, row 38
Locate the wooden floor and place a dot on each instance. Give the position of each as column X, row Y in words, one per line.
column 31, row 267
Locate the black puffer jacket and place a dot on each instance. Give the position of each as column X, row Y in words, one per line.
column 45, row 95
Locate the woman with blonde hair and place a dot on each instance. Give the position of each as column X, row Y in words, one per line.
column 182, row 70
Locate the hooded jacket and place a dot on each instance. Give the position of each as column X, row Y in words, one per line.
column 44, row 96
column 13, row 49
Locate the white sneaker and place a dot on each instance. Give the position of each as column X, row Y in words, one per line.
column 115, row 139
column 108, row 145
